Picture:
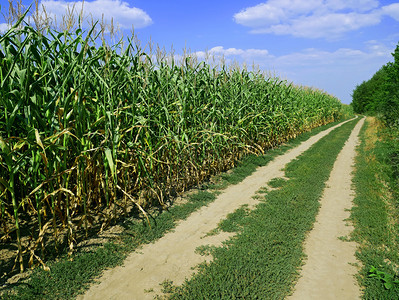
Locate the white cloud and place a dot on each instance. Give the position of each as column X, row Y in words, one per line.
column 121, row 12
column 378, row 49
column 247, row 55
column 391, row 10
column 313, row 18
column 226, row 52
column 261, row 15
column 308, row 58
column 344, row 56
column 4, row 27
column 336, row 71
column 355, row 5
column 329, row 25
column 257, row 52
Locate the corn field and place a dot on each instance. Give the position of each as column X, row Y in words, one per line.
column 89, row 130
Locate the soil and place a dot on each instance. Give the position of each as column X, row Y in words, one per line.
column 173, row 257
column 329, row 270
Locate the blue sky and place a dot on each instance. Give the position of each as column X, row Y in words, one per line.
column 328, row 44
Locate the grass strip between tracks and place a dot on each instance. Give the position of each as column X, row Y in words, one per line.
column 71, row 276
column 376, row 211
column 262, row 260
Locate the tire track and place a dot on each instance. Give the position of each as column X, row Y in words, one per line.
column 173, row 256
column 329, row 270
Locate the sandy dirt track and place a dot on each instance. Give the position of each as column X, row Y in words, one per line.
column 173, row 256
column 329, row 270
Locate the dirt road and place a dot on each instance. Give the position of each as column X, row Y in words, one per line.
column 173, row 256
column 329, row 270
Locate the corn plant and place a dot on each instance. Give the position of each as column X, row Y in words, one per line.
column 89, row 130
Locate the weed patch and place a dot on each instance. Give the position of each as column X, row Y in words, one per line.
column 376, row 211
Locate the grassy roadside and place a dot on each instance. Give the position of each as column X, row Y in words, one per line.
column 376, row 211
column 70, row 276
column 261, row 261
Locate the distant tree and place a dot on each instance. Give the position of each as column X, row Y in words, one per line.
column 360, row 98
column 390, row 107
column 380, row 94
column 367, row 97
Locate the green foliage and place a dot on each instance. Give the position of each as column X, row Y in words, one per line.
column 368, row 96
column 380, row 94
column 386, row 278
column 276, row 182
column 234, row 221
column 376, row 210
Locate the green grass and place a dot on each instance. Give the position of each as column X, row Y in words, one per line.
column 376, row 211
column 69, row 277
column 276, row 182
column 262, row 260
column 235, row 221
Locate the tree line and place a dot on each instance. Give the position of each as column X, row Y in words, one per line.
column 380, row 94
